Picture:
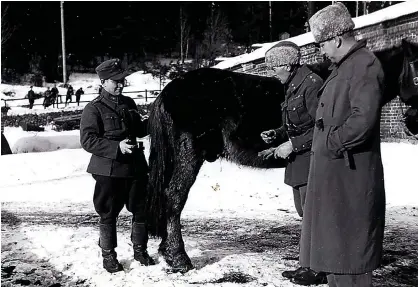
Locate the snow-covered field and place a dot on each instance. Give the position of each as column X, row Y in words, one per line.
column 239, row 224
column 90, row 84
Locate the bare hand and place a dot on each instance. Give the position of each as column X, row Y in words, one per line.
column 268, row 136
column 267, row 153
column 283, row 150
column 125, row 147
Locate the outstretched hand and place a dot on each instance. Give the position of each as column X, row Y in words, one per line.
column 268, row 136
column 267, row 153
column 283, row 150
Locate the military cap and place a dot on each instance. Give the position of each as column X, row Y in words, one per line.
column 331, row 21
column 111, row 69
column 283, row 53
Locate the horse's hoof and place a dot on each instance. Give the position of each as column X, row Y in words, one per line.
column 182, row 269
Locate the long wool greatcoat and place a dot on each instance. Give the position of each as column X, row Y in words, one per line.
column 344, row 216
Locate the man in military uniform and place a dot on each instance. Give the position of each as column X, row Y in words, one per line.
column 54, row 95
column 78, row 94
column 108, row 129
column 70, row 92
column 31, row 97
column 343, row 226
column 298, row 111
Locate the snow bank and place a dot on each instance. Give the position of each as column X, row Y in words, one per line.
column 27, row 142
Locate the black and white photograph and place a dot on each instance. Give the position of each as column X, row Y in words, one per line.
column 218, row 144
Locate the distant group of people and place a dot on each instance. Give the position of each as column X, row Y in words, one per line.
column 51, row 96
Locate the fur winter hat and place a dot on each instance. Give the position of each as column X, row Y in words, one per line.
column 333, row 20
column 283, row 53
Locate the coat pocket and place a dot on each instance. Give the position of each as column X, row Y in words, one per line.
column 297, row 111
column 112, row 122
column 333, row 152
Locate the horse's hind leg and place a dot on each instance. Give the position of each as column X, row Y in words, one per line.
column 187, row 166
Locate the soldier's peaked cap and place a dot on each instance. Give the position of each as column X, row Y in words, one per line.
column 112, row 69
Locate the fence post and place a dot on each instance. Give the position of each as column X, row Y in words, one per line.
column 146, row 96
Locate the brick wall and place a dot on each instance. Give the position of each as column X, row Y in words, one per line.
column 379, row 37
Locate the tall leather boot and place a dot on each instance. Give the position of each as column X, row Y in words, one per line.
column 108, row 243
column 139, row 237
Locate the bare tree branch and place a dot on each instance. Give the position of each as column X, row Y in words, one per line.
column 6, row 29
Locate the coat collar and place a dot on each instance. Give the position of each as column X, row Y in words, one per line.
column 110, row 97
column 360, row 44
column 298, row 78
column 334, row 67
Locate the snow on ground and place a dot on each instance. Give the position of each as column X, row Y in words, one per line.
column 239, row 225
column 90, row 84
column 389, row 13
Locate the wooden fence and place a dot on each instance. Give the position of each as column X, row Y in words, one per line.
column 146, row 94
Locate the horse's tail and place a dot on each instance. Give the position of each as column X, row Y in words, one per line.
column 161, row 163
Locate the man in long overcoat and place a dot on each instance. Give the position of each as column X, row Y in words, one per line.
column 344, row 216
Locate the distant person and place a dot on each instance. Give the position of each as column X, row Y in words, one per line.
column 54, row 95
column 70, row 92
column 31, row 97
column 78, row 95
column 47, row 99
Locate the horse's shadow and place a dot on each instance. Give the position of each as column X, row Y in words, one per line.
column 223, row 239
column 228, row 238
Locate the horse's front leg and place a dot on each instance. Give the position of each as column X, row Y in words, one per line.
column 172, row 246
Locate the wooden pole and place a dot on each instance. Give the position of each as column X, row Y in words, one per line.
column 64, row 65
column 270, row 26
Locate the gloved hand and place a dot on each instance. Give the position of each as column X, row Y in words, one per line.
column 125, row 147
column 267, row 153
column 283, row 150
column 268, row 136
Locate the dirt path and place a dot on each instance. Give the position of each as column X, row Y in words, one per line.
column 274, row 240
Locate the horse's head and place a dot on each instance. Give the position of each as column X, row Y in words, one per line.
column 408, row 79
column 408, row 84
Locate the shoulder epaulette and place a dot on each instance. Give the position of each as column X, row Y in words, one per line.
column 315, row 78
column 97, row 99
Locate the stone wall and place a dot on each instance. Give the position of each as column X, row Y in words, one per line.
column 379, row 37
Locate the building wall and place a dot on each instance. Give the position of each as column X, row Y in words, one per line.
column 379, row 37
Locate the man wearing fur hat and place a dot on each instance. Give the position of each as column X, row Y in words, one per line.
column 298, row 111
column 109, row 127
column 342, row 230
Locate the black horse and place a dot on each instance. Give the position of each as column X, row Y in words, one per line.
column 212, row 113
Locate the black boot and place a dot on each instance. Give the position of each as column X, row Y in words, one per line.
column 310, row 277
column 139, row 237
column 294, row 273
column 108, row 243
column 110, row 262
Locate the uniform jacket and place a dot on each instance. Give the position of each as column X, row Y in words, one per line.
column 105, row 122
column 344, row 215
column 298, row 111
